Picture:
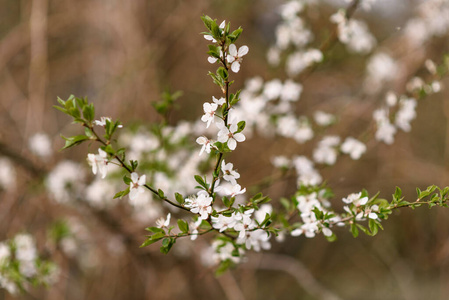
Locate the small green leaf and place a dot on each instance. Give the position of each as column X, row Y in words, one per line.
column 155, row 229
column 373, row 227
column 161, row 194
column 354, row 230
column 121, row 194
column 74, row 140
column 183, row 226
column 179, row 198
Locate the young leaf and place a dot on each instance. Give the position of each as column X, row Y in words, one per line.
column 183, row 226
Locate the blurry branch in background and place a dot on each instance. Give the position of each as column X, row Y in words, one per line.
column 38, row 71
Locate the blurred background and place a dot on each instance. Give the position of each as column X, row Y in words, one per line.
column 123, row 55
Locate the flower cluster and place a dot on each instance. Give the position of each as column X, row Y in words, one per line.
column 20, row 265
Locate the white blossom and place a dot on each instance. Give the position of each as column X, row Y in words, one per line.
column 356, row 199
column 256, row 240
column 323, row 118
column 272, row 89
column 40, row 145
column 222, row 222
column 205, row 143
column 230, row 134
column 136, row 185
column 326, row 152
column 291, row 91
column 353, row 147
column 201, row 204
column 102, row 122
column 299, row 61
column 163, row 223
column 7, row 174
column 98, row 162
column 406, row 113
column 228, row 173
column 235, row 57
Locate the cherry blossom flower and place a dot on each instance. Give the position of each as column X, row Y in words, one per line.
column 355, row 198
column 102, row 122
column 291, row 91
column 323, row 119
column 244, row 223
column 229, row 135
column 201, row 204
column 205, row 142
column 325, row 152
column 209, row 113
column 195, row 227
column 257, row 240
column 229, row 174
column 353, row 147
column 98, row 162
column 234, row 191
column 220, row 101
column 222, row 222
column 161, row 222
column 40, row 145
column 136, row 185
column 235, row 58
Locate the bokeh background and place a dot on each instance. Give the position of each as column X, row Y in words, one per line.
column 123, row 55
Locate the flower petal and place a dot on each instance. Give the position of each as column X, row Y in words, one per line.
column 235, row 67
column 232, row 50
column 243, row 51
column 232, row 144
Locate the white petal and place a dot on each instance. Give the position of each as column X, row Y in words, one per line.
column 142, row 180
column 222, row 25
column 235, row 67
column 243, row 51
column 201, row 140
column 363, row 201
column 212, row 60
column 132, row 194
column 102, row 153
column 372, row 216
column 232, row 50
column 239, row 137
column 134, row 177
column 232, row 144
column 327, row 232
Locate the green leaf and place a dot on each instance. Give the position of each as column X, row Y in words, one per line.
column 241, row 125
column 153, row 238
column 121, row 194
column 183, row 226
column 161, row 194
column 167, row 244
column 354, row 230
column 207, row 22
column 155, row 229
column 201, row 181
column 179, row 198
column 89, row 112
column 127, row 180
column 397, row 194
column 331, row 238
column 373, row 227
column 74, row 140
column 235, row 34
